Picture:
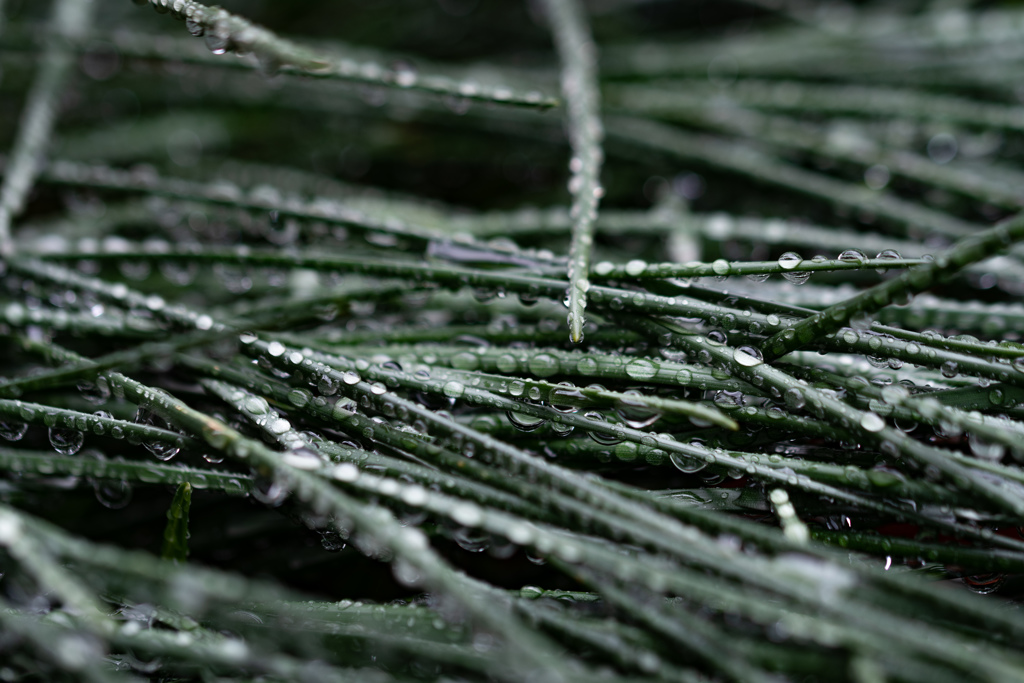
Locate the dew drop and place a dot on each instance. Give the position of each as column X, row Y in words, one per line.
column 872, row 422
column 12, row 430
column 453, row 389
column 790, row 260
column 687, row 464
column 636, row 267
column 853, row 256
column 544, row 365
column 524, row 423
column 66, row 441
column 794, row 398
column 889, row 255
column 748, row 356
column 641, row 369
column 114, row 495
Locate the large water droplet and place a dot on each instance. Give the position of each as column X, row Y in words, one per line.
column 748, row 356
column 524, row 423
column 790, row 260
column 641, row 369
column 872, row 422
column 853, row 256
column 113, row 494
column 686, row 463
column 161, row 449
column 66, row 441
column 454, row 389
column 12, row 430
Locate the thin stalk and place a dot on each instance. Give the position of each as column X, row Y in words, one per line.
column 71, row 18
column 966, row 251
column 578, row 55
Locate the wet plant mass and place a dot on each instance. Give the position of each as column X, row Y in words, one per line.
column 552, row 341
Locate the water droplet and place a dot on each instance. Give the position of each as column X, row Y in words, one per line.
column 888, row 254
column 950, row 369
column 790, row 260
column 97, row 392
column 253, row 405
column 794, row 398
column 872, row 422
column 113, row 494
column 66, row 441
column 687, row 464
column 454, row 389
column 985, row 450
column 984, row 584
column 601, row 437
column 327, row 385
column 853, row 256
column 942, row 148
column 636, row 267
column 524, row 423
column 641, row 369
column 12, row 430
column 195, row 28
column 877, row 177
column 161, row 449
column 217, row 44
column 544, row 365
column 748, row 356
column 279, row 426
column 721, row 267
column 299, row 397
column 472, row 540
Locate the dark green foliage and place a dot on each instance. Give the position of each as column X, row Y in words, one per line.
column 290, row 391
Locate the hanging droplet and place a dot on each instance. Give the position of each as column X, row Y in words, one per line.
column 161, row 449
column 454, row 389
column 96, row 393
column 472, row 540
column 888, row 254
column 66, row 441
column 12, row 430
column 195, row 28
column 113, row 494
column 687, row 464
column 524, row 423
column 601, row 437
column 942, row 148
column 984, row 584
column 218, row 43
column 788, row 262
